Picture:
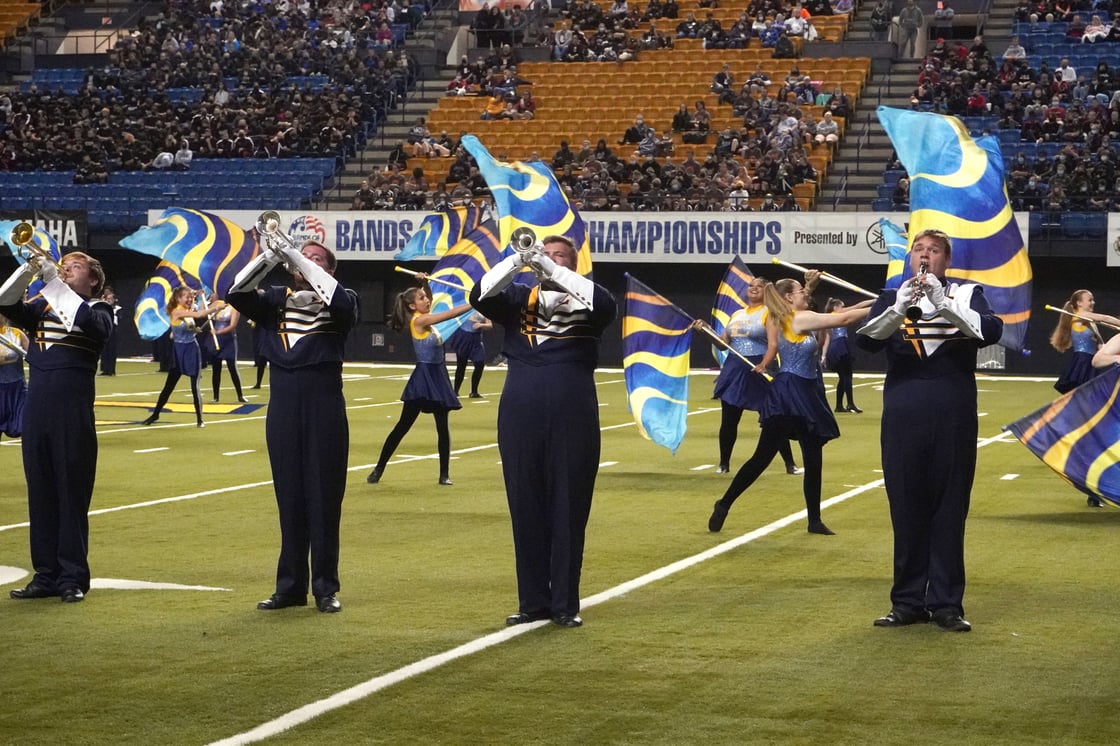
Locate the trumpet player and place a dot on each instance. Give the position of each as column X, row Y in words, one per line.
column 68, row 325
column 548, row 418
column 303, row 336
column 187, row 357
column 929, row 428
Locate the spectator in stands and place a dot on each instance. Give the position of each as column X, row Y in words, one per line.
column 827, row 130
column 900, row 197
column 563, row 157
column 635, row 133
column 689, row 27
column 1065, row 72
column 783, row 47
column 398, row 156
column 910, row 20
column 1015, row 50
column 364, row 197
column 1095, row 31
column 943, row 20
column 682, row 120
column 880, row 21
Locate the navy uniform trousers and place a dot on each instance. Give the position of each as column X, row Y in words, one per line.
column 548, row 435
column 928, row 439
column 60, row 463
column 308, row 440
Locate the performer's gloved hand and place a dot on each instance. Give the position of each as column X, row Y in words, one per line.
column 935, row 291
column 904, row 298
column 544, row 266
column 47, row 270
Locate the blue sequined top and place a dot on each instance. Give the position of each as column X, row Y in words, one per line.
column 427, row 346
column 746, row 332
column 798, row 353
column 1083, row 338
column 180, row 334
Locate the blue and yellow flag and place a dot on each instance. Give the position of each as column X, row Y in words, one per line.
column 731, row 296
column 440, row 231
column 527, row 194
column 894, row 238
column 151, row 316
column 1078, row 435
column 41, row 239
column 957, row 186
column 656, row 338
column 205, row 246
column 459, row 270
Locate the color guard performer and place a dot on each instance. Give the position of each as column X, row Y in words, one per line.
column 548, row 419
column 1080, row 337
column 930, row 332
column 70, row 325
column 187, row 359
column 303, row 335
column 469, row 349
column 220, row 346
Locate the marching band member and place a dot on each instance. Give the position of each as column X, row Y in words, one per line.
column 260, row 362
column 795, row 407
column 1082, row 336
column 109, row 354
column 929, row 429
column 428, row 388
column 303, row 336
column 13, row 387
column 221, row 346
column 187, row 361
column 548, row 419
column 468, row 347
column 739, row 386
column 70, row 326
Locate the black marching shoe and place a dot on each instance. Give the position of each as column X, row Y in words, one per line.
column 568, row 621
column 950, row 621
column 525, row 617
column 1094, row 502
column 719, row 515
column 853, row 408
column 445, row 480
column 723, row 469
column 150, row 420
column 897, row 618
column 475, row 395
column 794, row 469
column 281, row 601
column 328, row 604
column 71, row 595
column 840, row 410
column 375, row 475
column 818, row 527
column 32, row 590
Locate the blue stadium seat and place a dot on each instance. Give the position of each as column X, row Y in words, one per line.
column 881, row 204
column 1074, row 224
column 1096, row 225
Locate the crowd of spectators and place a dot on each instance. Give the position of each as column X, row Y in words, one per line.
column 238, row 61
column 1065, row 122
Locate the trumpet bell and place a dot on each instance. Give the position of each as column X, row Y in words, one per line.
column 523, row 239
column 269, row 222
column 22, row 234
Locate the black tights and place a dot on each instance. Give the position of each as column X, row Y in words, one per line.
column 461, row 371
column 260, row 365
column 408, row 416
column 729, row 432
column 843, row 369
column 216, row 378
column 169, row 386
column 769, row 442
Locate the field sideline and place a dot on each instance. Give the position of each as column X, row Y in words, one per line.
column 761, row 633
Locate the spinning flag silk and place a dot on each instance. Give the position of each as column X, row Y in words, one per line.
column 894, row 238
column 440, row 231
column 957, row 186
column 42, row 239
column 1078, row 435
column 151, row 316
column 460, row 269
column 209, row 249
column 528, row 194
column 656, row 337
column 731, row 296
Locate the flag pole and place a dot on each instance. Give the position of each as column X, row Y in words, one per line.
column 12, row 346
column 1080, row 317
column 830, row 278
column 429, row 278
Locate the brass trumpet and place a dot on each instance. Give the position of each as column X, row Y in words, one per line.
column 28, row 246
column 273, row 237
column 523, row 240
column 914, row 312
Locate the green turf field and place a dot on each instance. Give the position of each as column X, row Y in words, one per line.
column 760, row 634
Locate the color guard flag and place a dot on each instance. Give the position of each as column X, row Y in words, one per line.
column 957, row 186
column 894, row 238
column 41, row 238
column 440, row 231
column 528, row 194
column 731, row 296
column 459, row 270
column 205, row 246
column 151, row 316
column 656, row 337
column 1078, row 435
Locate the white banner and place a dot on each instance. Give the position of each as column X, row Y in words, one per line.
column 640, row 237
column 1113, row 251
